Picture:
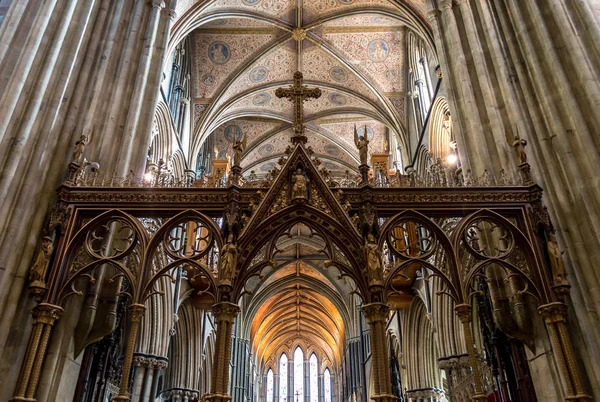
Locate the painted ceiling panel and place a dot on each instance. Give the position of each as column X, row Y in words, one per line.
column 378, row 54
column 320, row 66
column 216, row 56
column 278, row 65
column 353, row 50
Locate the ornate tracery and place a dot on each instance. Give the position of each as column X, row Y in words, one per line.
column 222, row 239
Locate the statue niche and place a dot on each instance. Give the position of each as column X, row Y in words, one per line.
column 37, row 273
column 228, row 266
column 299, row 186
column 373, row 259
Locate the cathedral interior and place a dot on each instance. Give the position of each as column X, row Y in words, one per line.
column 299, row 200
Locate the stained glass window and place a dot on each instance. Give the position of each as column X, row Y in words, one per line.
column 314, row 379
column 283, row 375
column 270, row 386
column 298, row 374
column 327, row 387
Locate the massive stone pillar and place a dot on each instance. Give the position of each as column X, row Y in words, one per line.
column 67, row 68
column 530, row 68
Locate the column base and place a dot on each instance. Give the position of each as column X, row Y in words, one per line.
column 121, row 398
column 384, row 398
column 480, row 397
column 217, row 398
column 579, row 397
column 22, row 398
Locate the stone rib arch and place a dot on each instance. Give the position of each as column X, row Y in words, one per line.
column 423, row 354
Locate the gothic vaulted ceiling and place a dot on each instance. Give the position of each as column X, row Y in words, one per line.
column 243, row 50
column 299, row 302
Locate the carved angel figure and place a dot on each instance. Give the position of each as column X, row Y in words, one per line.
column 229, row 256
column 37, row 274
column 79, row 148
column 519, row 145
column 238, row 149
column 300, row 185
column 362, row 143
column 373, row 258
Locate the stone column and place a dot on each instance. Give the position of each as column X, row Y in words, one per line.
column 159, row 365
column 45, row 315
column 451, row 57
column 140, row 364
column 147, row 368
column 225, row 314
column 464, row 312
column 377, row 315
column 306, row 379
column 454, row 366
column 321, row 388
column 555, row 317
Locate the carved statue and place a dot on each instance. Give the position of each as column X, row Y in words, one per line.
column 79, row 148
column 362, row 143
column 238, row 149
column 229, row 256
column 519, row 146
column 373, row 258
column 300, row 185
column 556, row 262
column 37, row 274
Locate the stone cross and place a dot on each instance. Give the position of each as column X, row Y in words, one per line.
column 298, row 94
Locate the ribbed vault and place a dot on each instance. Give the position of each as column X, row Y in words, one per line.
column 354, row 50
column 298, row 313
column 299, row 302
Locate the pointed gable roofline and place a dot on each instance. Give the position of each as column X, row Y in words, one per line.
column 320, row 210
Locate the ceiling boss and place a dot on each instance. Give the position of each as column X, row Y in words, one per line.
column 298, row 94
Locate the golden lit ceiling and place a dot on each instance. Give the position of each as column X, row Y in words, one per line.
column 298, row 313
column 299, row 302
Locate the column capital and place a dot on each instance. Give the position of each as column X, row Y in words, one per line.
column 554, row 312
column 46, row 313
column 375, row 312
column 464, row 312
column 137, row 312
column 444, row 4
column 225, row 311
column 432, row 15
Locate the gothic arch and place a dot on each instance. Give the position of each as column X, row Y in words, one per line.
column 440, row 130
column 423, row 352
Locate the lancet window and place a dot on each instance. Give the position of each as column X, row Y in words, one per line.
column 283, row 375
column 327, row 385
column 270, row 382
column 314, row 378
column 299, row 374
